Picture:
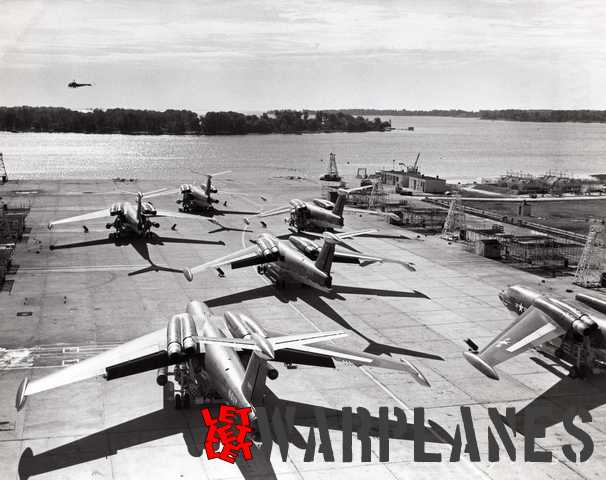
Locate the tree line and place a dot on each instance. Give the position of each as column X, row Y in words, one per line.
column 597, row 116
column 180, row 122
column 413, row 113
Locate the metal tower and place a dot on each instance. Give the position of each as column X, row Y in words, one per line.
column 3, row 175
column 593, row 259
column 377, row 195
column 332, row 174
column 455, row 220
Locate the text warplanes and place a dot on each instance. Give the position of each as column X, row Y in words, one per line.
column 128, row 218
column 212, row 357
column 571, row 332
column 319, row 215
column 296, row 260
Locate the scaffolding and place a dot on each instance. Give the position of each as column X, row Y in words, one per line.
column 455, row 220
column 419, row 217
column 592, row 265
column 540, row 251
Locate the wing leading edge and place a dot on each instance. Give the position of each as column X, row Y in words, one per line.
column 530, row 329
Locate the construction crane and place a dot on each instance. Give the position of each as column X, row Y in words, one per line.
column 415, row 167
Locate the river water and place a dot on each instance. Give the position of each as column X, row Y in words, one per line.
column 458, row 149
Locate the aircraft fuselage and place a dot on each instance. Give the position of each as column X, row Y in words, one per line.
column 308, row 216
column 196, row 198
column 293, row 266
column 584, row 340
column 128, row 221
column 223, row 367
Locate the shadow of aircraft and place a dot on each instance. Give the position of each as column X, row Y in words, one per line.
column 140, row 245
column 162, row 423
column 217, row 213
column 224, row 228
column 315, row 299
column 566, row 397
column 167, row 421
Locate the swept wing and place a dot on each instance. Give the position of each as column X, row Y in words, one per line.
column 145, row 346
column 530, row 329
column 81, row 218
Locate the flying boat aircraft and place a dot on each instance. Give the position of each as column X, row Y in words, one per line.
column 128, row 218
column 319, row 214
column 295, row 260
column 571, row 332
column 200, row 199
column 212, row 357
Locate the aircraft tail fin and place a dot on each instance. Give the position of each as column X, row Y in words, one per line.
column 342, row 197
column 340, row 203
column 327, row 253
column 255, row 378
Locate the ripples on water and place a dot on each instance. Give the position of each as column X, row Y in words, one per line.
column 457, row 149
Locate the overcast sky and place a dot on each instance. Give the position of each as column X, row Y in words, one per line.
column 259, row 55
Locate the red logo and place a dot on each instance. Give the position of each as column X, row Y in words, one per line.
column 226, row 435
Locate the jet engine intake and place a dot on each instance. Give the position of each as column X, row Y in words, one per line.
column 584, row 326
column 272, row 373
column 298, row 204
column 566, row 316
column 188, row 331
column 269, row 247
column 116, row 209
column 173, row 337
column 162, row 376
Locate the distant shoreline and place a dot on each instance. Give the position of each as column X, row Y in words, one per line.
column 181, row 122
column 512, row 115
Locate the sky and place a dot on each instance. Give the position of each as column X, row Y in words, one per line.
column 261, row 55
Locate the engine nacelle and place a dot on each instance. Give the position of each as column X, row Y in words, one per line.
column 117, row 208
column 298, row 204
column 174, row 347
column 567, row 316
column 272, row 373
column 162, row 376
column 268, row 246
column 304, row 245
column 235, row 325
column 148, row 208
column 185, row 188
column 594, row 302
column 252, row 326
column 188, row 332
column 320, row 202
